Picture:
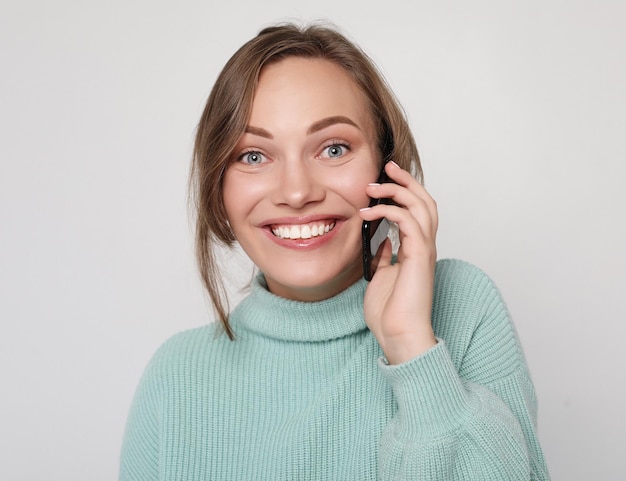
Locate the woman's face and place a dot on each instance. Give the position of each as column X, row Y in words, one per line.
column 297, row 178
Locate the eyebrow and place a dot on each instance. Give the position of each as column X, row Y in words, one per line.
column 258, row 131
column 315, row 127
column 328, row 121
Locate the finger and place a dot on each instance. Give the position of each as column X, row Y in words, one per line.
column 386, row 252
column 410, row 227
column 404, row 178
column 399, row 175
column 420, row 209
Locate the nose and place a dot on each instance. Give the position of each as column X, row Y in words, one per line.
column 298, row 184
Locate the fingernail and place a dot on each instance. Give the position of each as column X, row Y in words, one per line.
column 392, row 162
column 364, row 208
column 374, row 183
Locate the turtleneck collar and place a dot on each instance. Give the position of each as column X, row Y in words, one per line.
column 272, row 316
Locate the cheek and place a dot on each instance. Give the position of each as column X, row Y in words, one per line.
column 241, row 193
column 235, row 202
column 353, row 184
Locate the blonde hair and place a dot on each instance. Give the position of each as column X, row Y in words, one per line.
column 227, row 112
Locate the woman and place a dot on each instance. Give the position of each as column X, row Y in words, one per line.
column 319, row 374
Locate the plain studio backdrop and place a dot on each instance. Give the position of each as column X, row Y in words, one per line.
column 518, row 109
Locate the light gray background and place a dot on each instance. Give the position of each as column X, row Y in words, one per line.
column 519, row 112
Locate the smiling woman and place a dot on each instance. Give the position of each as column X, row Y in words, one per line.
column 304, row 171
column 319, row 374
column 227, row 117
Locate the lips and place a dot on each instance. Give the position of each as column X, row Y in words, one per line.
column 303, row 231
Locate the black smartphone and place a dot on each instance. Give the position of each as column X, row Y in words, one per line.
column 375, row 232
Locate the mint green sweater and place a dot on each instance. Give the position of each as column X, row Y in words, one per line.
column 304, row 394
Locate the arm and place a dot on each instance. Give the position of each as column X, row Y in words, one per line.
column 140, row 446
column 466, row 405
column 466, row 408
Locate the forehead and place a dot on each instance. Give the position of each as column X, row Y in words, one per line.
column 306, row 90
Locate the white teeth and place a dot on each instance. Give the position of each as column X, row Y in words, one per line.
column 304, row 231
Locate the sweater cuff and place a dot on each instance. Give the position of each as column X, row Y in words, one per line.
column 431, row 397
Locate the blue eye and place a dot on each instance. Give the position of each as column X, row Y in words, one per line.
column 252, row 157
column 335, row 151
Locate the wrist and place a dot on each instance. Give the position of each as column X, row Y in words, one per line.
column 403, row 348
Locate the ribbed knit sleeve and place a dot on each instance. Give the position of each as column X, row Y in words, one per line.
column 466, row 408
column 140, row 448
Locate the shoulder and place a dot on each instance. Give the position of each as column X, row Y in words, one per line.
column 185, row 342
column 188, row 348
column 460, row 285
column 458, row 273
column 470, row 314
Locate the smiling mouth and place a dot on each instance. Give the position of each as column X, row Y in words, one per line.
column 303, row 231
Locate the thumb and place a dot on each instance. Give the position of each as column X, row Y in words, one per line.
column 384, row 254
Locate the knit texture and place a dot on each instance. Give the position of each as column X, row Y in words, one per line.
column 303, row 393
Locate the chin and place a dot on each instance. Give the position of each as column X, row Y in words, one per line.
column 311, row 286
